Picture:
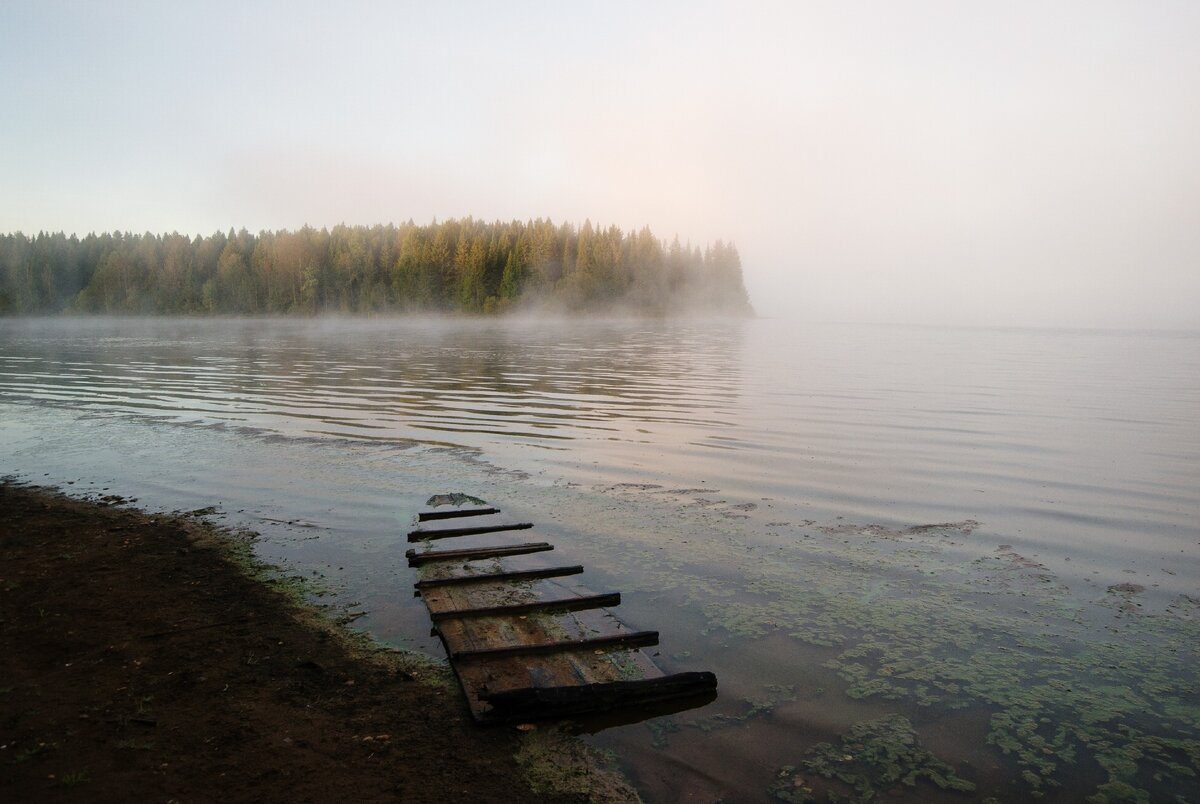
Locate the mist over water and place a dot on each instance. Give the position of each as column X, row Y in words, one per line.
column 771, row 496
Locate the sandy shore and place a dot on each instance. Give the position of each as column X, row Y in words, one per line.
column 144, row 658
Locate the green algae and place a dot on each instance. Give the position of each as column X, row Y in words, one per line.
column 871, row 756
column 751, row 709
column 627, row 667
column 660, row 729
column 560, row 767
column 1054, row 695
column 1067, row 680
column 1057, row 677
column 456, row 499
column 238, row 547
column 1057, row 689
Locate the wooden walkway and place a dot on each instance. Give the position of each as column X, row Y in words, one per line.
column 524, row 645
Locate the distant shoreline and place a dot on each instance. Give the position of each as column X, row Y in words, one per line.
column 518, row 316
column 456, row 266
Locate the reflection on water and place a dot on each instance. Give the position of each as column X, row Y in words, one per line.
column 978, row 544
column 398, row 381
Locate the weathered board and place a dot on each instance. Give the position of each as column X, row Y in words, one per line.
column 523, row 645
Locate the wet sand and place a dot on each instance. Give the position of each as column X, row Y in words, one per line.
column 144, row 657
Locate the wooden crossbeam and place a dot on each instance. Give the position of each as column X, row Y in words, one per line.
column 541, row 702
column 426, row 516
column 515, row 575
column 416, row 559
column 445, row 533
column 578, row 603
column 635, row 639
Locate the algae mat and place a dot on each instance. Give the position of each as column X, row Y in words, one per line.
column 1028, row 683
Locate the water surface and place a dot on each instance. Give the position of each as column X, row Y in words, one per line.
column 991, row 534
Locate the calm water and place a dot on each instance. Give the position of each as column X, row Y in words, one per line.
column 990, row 533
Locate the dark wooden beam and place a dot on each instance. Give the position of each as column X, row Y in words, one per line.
column 426, row 516
column 529, row 703
column 416, row 559
column 515, row 575
column 562, row 604
column 634, row 639
column 421, row 534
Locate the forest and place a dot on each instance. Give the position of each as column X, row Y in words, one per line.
column 456, row 266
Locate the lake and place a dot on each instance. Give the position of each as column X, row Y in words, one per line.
column 932, row 563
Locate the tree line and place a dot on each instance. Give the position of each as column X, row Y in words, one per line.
column 456, row 266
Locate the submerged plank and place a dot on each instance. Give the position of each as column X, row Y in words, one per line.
column 422, row 534
column 635, row 639
column 515, row 575
column 426, row 516
column 415, row 559
column 546, row 606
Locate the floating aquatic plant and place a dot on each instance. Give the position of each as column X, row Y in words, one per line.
column 872, row 755
column 1063, row 677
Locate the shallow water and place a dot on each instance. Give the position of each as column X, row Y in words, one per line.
column 990, row 532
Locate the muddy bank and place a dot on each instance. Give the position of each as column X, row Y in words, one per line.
column 141, row 660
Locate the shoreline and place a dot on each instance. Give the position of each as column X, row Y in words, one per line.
column 152, row 657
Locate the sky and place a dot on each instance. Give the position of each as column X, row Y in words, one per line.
column 1001, row 163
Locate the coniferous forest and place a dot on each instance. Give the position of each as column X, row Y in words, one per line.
column 456, row 266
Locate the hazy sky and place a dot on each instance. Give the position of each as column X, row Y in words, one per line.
column 962, row 162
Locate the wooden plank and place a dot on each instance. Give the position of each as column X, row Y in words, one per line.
column 561, row 604
column 635, row 639
column 484, row 633
column 451, row 598
column 544, row 702
column 515, row 575
column 421, row 534
column 416, row 559
column 514, row 667
column 572, row 668
column 425, row 516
